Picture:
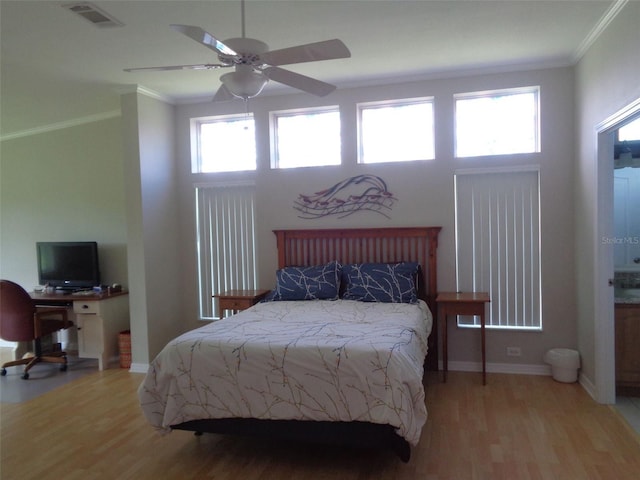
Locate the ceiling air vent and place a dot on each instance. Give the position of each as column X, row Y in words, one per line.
column 93, row 14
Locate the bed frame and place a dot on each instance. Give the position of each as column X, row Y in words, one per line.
column 361, row 245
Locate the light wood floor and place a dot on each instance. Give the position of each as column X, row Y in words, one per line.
column 516, row 427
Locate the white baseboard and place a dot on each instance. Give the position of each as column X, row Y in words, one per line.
column 139, row 368
column 517, row 368
column 588, row 385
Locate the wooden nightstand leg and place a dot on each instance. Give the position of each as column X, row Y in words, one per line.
column 484, row 361
column 445, row 362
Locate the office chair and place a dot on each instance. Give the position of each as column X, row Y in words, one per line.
column 21, row 321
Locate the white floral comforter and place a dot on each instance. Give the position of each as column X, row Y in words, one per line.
column 323, row 360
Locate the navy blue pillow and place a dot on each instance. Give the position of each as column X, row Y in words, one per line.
column 320, row 282
column 381, row 282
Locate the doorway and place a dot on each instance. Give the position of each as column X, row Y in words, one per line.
column 604, row 329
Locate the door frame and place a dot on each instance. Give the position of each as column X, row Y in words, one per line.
column 604, row 322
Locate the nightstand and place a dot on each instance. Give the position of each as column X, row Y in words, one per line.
column 237, row 300
column 462, row 303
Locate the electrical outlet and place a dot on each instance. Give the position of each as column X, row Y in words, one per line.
column 513, row 352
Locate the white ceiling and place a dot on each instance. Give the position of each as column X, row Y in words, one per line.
column 57, row 67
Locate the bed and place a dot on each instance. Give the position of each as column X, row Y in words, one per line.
column 321, row 362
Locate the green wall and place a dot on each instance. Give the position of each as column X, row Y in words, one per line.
column 63, row 185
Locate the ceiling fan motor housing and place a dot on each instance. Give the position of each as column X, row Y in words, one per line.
column 248, row 50
column 255, row 65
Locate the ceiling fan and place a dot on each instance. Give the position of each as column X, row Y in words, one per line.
column 254, row 65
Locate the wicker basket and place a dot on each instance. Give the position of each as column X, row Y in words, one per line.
column 124, row 343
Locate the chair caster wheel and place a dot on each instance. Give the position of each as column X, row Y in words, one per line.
column 25, row 376
column 3, row 372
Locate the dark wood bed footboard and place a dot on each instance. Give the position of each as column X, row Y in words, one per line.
column 351, row 434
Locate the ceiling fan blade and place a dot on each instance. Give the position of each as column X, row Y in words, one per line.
column 202, row 66
column 301, row 82
column 223, row 94
column 204, row 38
column 311, row 52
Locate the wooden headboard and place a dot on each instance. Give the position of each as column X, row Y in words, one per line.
column 363, row 245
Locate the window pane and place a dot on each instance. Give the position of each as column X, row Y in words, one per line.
column 307, row 139
column 497, row 246
column 396, row 133
column 227, row 145
column 630, row 131
column 497, row 124
column 226, row 243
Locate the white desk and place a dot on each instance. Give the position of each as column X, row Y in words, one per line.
column 99, row 318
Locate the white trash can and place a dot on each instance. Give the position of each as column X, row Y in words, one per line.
column 564, row 364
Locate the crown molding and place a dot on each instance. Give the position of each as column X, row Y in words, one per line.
column 125, row 89
column 600, row 27
column 74, row 122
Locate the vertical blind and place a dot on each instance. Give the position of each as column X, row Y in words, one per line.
column 498, row 245
column 225, row 222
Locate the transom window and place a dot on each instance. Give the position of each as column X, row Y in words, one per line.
column 396, row 131
column 223, row 144
column 306, row 138
column 499, row 122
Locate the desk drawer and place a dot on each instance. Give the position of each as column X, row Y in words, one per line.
column 81, row 307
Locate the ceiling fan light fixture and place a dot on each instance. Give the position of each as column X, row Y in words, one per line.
column 244, row 82
column 255, row 64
